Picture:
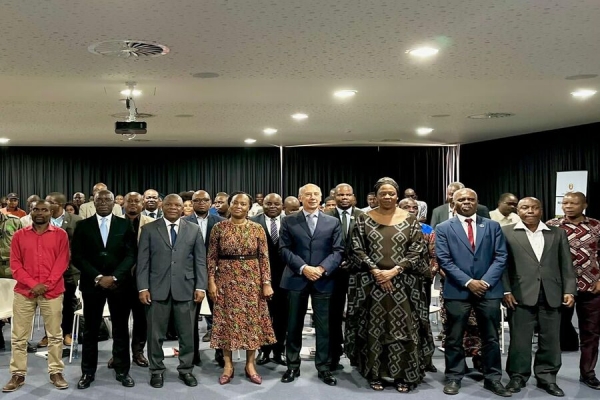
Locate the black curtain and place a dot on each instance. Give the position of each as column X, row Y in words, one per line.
column 417, row 167
column 41, row 170
column 527, row 165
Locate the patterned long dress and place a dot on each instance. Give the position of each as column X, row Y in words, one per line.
column 240, row 314
column 388, row 334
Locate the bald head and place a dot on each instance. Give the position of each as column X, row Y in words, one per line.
column 291, row 205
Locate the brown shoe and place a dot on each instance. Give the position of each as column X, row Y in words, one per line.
column 68, row 339
column 16, row 381
column 59, row 381
column 43, row 342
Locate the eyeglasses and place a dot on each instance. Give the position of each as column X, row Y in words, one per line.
column 510, row 203
column 201, row 201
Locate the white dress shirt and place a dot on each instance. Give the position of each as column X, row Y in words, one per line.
column 169, row 223
column 203, row 224
column 512, row 218
column 277, row 223
column 464, row 225
column 348, row 216
column 107, row 221
column 536, row 238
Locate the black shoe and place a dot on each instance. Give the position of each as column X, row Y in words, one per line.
column 278, row 359
column 290, row 375
column 188, row 379
column 327, row 378
column 31, row 348
column 592, row 382
column 497, row 388
column 157, row 380
column 140, row 360
column 516, row 384
column 263, row 358
column 85, row 381
column 125, row 380
column 430, row 368
column 452, row 387
column 219, row 358
column 110, row 365
column 551, row 388
column 207, row 336
column 336, row 367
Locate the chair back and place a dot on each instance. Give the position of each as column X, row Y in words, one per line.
column 7, row 297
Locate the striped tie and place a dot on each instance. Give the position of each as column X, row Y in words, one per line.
column 274, row 233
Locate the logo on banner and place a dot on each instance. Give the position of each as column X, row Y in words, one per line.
column 571, row 186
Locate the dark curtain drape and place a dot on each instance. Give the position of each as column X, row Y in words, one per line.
column 527, row 165
column 417, row 167
column 40, row 170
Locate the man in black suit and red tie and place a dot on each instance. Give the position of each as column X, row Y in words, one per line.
column 104, row 250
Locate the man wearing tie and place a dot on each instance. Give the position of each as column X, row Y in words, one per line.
column 103, row 250
column 310, row 244
column 270, row 220
column 151, row 204
column 472, row 253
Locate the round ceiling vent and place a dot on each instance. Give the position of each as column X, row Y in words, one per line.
column 125, row 115
column 490, row 115
column 128, row 49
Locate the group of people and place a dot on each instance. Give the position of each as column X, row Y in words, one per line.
column 375, row 267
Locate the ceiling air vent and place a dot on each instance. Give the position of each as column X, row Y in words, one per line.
column 490, row 115
column 128, row 49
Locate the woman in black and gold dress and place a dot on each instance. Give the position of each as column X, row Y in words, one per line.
column 387, row 327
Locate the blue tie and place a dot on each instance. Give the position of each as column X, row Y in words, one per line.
column 104, row 231
column 312, row 223
column 173, row 235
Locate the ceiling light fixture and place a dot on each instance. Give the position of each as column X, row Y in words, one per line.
column 269, row 131
column 250, row 141
column 345, row 94
column 581, row 76
column 423, row 52
column 131, row 92
column 4, row 140
column 424, row 131
column 299, row 116
column 583, row 93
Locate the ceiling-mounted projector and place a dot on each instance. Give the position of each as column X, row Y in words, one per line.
column 130, row 128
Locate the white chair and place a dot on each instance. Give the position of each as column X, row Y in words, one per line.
column 434, row 307
column 7, row 297
column 78, row 314
column 503, row 327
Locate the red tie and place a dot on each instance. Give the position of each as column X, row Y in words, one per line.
column 470, row 232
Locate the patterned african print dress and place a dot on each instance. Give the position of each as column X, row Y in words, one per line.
column 240, row 314
column 388, row 334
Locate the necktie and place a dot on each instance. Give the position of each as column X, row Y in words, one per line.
column 152, row 215
column 104, row 231
column 470, row 232
column 312, row 223
column 173, row 235
column 344, row 224
column 274, row 233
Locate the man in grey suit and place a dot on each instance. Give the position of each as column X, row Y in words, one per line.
column 171, row 277
column 444, row 212
column 538, row 278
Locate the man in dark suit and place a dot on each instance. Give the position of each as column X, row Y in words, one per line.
column 270, row 220
column 201, row 217
column 171, row 277
column 311, row 246
column 444, row 212
column 472, row 253
column 346, row 214
column 538, row 279
column 104, row 250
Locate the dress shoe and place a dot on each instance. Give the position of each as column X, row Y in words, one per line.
column 327, row 378
column 59, row 381
column 171, row 336
column 592, row 382
column 452, row 387
column 263, row 358
column 207, row 336
column 31, row 349
column 67, row 340
column 224, row 379
column 43, row 343
column 110, row 363
column 430, row 368
column 290, row 375
column 336, row 367
column 219, row 358
column 254, row 378
column 497, row 388
column 85, row 381
column 126, row 380
column 551, row 388
column 157, row 380
column 16, row 381
column 278, row 359
column 188, row 379
column 140, row 360
column 516, row 384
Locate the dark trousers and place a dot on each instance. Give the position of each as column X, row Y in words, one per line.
column 336, row 315
column 93, row 307
column 140, row 329
column 487, row 313
column 278, row 310
column 69, row 305
column 588, row 314
column 522, row 322
column 157, row 316
column 569, row 341
column 298, row 303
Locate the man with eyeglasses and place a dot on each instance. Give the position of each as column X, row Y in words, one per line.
column 506, row 214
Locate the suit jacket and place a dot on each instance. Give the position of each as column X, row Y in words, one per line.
column 91, row 258
column 347, row 242
column 143, row 221
column 440, row 214
column 212, row 220
column 164, row 269
column 159, row 213
column 88, row 209
column 298, row 247
column 460, row 263
column 277, row 264
column 524, row 272
column 69, row 223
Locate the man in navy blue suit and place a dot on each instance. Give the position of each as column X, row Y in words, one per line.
column 472, row 252
column 311, row 246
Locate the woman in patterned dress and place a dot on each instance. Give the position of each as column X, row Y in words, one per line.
column 239, row 282
column 388, row 333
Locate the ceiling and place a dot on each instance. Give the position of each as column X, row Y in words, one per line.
column 278, row 57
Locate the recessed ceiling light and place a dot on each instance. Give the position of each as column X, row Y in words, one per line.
column 583, row 93
column 424, row 131
column 250, row 141
column 423, row 52
column 299, row 116
column 205, row 75
column 130, row 92
column 581, row 76
column 490, row 115
column 346, row 93
column 4, row 140
column 269, row 131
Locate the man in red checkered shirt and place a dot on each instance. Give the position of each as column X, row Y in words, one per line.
column 584, row 234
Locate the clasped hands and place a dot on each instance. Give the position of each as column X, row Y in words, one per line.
column 510, row 301
column 39, row 290
column 383, row 277
column 478, row 287
column 313, row 273
column 145, row 298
